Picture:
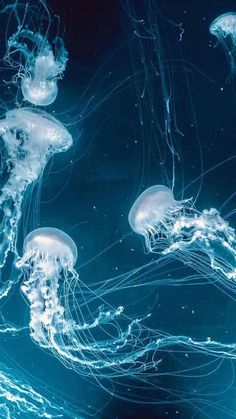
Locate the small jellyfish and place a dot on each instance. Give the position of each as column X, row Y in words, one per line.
column 224, row 28
column 63, row 324
column 30, row 137
column 42, row 68
column 153, row 214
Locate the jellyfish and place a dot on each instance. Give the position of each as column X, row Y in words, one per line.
column 52, row 252
column 153, row 213
column 96, row 345
column 30, row 137
column 42, row 68
column 224, row 28
column 71, row 331
column 177, row 227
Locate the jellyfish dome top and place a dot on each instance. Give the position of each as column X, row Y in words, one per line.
column 224, row 28
column 41, row 128
column 153, row 212
column 44, row 65
column 31, row 136
column 224, row 25
column 52, row 245
column 150, row 208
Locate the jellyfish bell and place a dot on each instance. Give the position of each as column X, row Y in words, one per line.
column 150, row 208
column 40, row 88
column 41, row 128
column 153, row 213
column 224, row 25
column 39, row 93
column 50, row 245
column 31, row 136
column 224, row 28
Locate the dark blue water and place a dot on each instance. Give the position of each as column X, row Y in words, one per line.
column 119, row 151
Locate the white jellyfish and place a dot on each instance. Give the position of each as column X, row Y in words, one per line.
column 154, row 213
column 89, row 344
column 30, row 137
column 176, row 227
column 224, row 28
column 42, row 68
column 52, row 252
column 79, row 338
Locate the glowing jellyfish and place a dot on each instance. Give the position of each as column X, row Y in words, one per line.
column 42, row 68
column 30, row 137
column 176, row 227
column 91, row 347
column 224, row 28
column 153, row 213
column 56, row 324
column 52, row 252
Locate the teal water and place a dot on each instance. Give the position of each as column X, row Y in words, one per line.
column 112, row 99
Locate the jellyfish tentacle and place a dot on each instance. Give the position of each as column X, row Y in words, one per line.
column 61, row 55
column 42, row 68
column 177, row 227
column 49, row 257
column 40, row 42
column 30, row 138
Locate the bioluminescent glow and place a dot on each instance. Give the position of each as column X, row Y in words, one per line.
column 224, row 25
column 70, row 330
column 30, row 138
column 154, row 213
column 19, row 399
column 42, row 68
column 48, row 259
column 109, row 328
column 109, row 345
column 224, row 28
column 171, row 226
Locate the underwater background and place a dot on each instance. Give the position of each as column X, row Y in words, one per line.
column 118, row 152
